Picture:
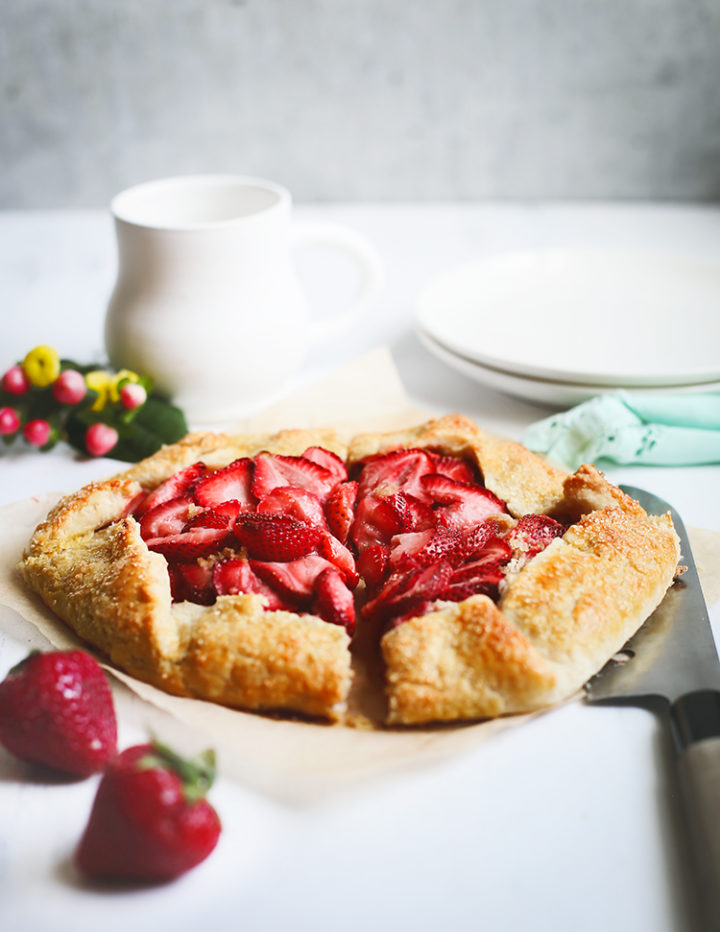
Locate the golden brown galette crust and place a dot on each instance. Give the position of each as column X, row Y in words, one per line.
column 560, row 616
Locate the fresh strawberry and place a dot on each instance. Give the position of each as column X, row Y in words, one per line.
column 296, row 503
column 233, row 576
column 273, row 470
column 150, row 821
column 276, row 537
column 386, row 473
column 329, row 460
column 337, row 553
column 190, row 545
column 333, row 600
column 166, row 518
column 463, row 504
column 373, row 565
column 196, row 583
column 232, row 483
column 294, row 580
column 533, row 533
column 56, row 709
column 179, row 484
column 406, row 591
column 454, row 468
column 340, row 509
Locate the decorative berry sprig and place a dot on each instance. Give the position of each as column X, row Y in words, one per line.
column 45, row 399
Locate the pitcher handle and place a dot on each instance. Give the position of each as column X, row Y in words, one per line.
column 366, row 258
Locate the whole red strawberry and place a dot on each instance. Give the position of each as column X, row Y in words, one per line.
column 56, row 709
column 150, row 821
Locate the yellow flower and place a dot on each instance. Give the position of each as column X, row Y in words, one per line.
column 124, row 375
column 101, row 382
column 42, row 366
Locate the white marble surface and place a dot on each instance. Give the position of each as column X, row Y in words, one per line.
column 566, row 823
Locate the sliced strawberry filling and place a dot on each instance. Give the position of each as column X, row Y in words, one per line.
column 231, row 484
column 276, row 537
column 416, row 526
column 273, row 470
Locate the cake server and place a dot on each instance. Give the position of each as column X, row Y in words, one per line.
column 672, row 664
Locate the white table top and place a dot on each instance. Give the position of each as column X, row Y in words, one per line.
column 565, row 823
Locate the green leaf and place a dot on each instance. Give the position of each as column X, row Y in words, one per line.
column 196, row 773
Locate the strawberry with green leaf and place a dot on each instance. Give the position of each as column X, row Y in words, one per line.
column 150, row 821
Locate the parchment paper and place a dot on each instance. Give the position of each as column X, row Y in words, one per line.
column 295, row 760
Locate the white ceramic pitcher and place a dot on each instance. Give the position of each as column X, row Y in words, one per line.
column 207, row 301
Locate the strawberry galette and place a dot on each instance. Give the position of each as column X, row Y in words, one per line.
column 258, row 571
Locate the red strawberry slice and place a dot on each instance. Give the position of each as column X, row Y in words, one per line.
column 296, row 503
column 340, row 509
column 196, row 583
column 408, row 512
column 404, row 592
column 233, row 576
column 376, row 521
column 463, row 504
column 135, row 505
column 272, row 471
column 189, row 545
column 166, row 518
column 406, row 549
column 210, row 517
column 276, row 537
column 443, row 543
column 232, row 483
column 337, row 553
column 222, row 515
column 459, row 591
column 453, row 468
column 181, row 483
column 493, row 555
column 177, row 585
column 389, row 472
column 373, row 565
column 294, row 580
column 329, row 460
column 333, row 600
column 533, row 533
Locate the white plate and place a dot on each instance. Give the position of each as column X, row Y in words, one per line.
column 540, row 391
column 612, row 318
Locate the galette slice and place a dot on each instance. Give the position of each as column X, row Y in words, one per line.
column 178, row 575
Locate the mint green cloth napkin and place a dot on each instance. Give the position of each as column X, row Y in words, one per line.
column 654, row 430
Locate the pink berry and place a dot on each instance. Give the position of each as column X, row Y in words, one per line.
column 132, row 395
column 15, row 382
column 37, row 432
column 100, row 439
column 9, row 421
column 69, row 387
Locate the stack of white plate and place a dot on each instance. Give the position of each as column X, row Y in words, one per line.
column 559, row 326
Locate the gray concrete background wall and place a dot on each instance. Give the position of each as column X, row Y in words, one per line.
column 362, row 99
